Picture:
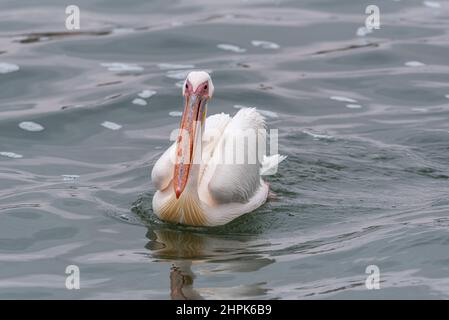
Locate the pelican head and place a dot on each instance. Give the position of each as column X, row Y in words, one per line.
column 197, row 90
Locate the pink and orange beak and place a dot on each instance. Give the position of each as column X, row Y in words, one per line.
column 191, row 124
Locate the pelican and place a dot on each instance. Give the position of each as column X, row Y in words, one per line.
column 195, row 184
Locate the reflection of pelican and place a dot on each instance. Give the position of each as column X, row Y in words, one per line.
column 186, row 249
column 198, row 184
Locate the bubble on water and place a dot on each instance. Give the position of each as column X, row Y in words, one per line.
column 8, row 67
column 231, row 47
column 353, row 106
column 414, row 64
column 265, row 44
column 432, row 4
column 31, row 126
column 111, row 125
column 172, row 66
column 122, row 67
column 139, row 102
column 343, row 99
column 11, row 155
column 175, row 114
column 145, row 94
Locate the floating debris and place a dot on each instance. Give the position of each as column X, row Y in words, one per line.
column 363, row 31
column 231, row 47
column 122, row 67
column 414, row 64
column 8, row 67
column 175, row 113
column 353, row 106
column 70, row 177
column 139, row 102
column 111, row 125
column 31, row 126
column 145, row 94
column 432, row 4
column 11, row 155
column 343, row 99
column 265, row 44
column 171, row 66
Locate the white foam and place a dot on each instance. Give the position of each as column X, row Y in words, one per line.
column 414, row 64
column 239, row 106
column 432, row 4
column 353, row 106
column 122, row 67
column 231, row 47
column 8, row 67
column 343, row 99
column 145, row 94
column 175, row 114
column 31, row 126
column 363, row 31
column 172, row 66
column 70, row 177
column 265, row 44
column 11, row 155
column 111, row 125
column 139, row 102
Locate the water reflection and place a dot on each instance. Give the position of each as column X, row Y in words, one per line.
column 219, row 254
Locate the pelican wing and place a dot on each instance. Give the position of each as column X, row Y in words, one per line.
column 232, row 174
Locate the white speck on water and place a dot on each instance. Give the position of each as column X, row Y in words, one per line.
column 31, row 126
column 70, row 177
column 179, row 84
column 265, row 44
column 177, row 23
column 432, row 4
column 353, row 106
column 318, row 136
column 175, row 114
column 108, row 231
column 239, row 106
column 447, row 96
column 122, row 30
column 231, row 47
column 122, row 67
column 420, row 109
column 145, row 94
column 171, row 66
column 363, row 31
column 8, row 67
column 343, row 99
column 157, row 147
column 414, row 64
column 268, row 113
column 11, row 155
column 177, row 74
column 139, row 102
column 111, row 125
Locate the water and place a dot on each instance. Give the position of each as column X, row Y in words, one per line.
column 363, row 120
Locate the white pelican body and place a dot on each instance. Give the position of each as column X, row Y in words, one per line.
column 196, row 185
